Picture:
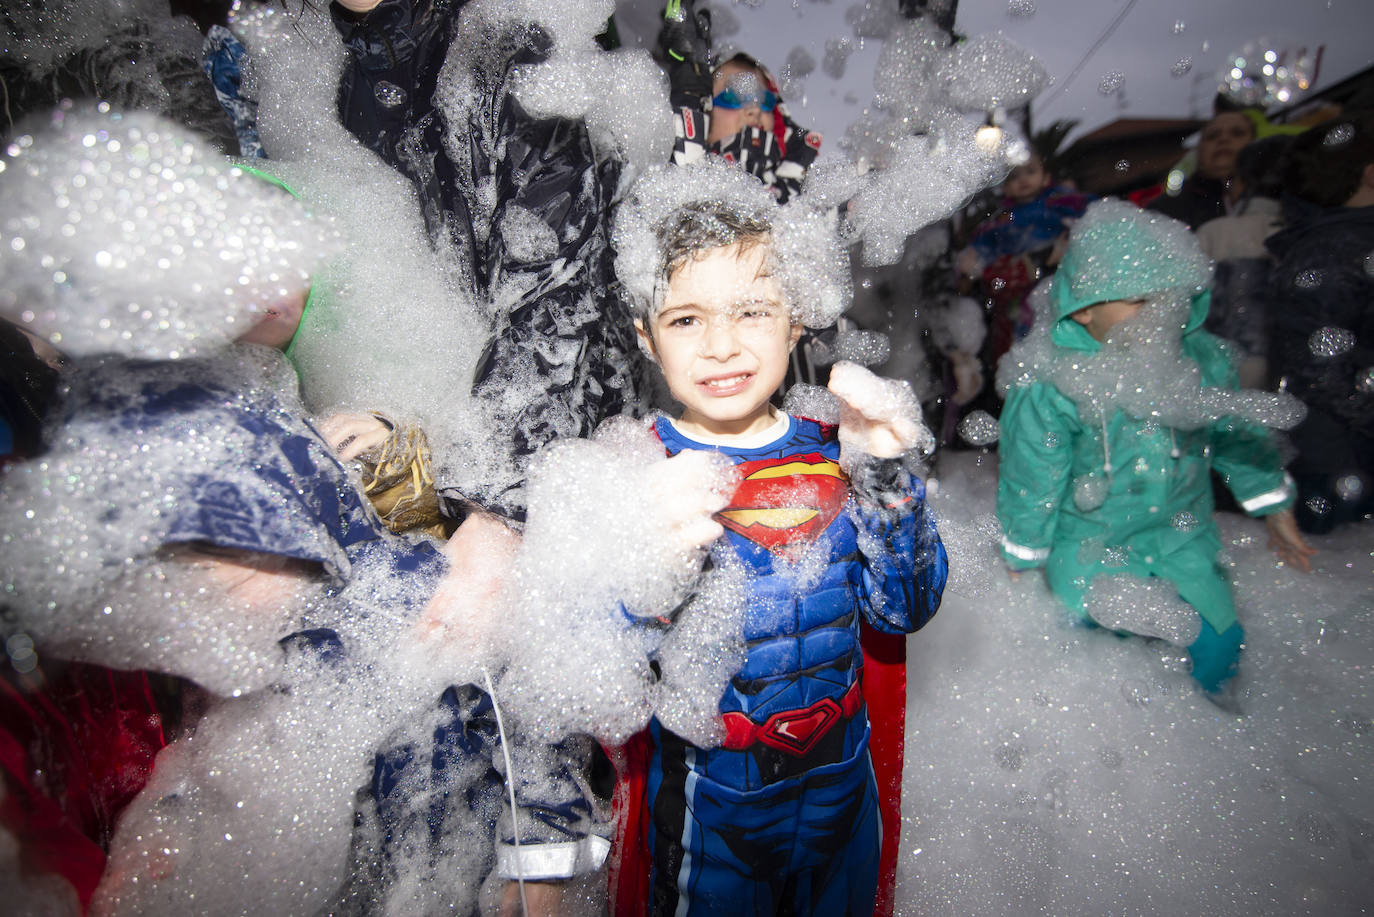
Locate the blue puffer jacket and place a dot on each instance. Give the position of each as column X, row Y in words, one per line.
column 883, row 561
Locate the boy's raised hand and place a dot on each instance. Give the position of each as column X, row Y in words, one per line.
column 878, row 416
column 1287, row 542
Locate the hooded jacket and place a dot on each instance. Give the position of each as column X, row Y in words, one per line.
column 1123, row 495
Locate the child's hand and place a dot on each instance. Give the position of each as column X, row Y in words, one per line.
column 689, row 494
column 878, row 416
column 359, row 6
column 1286, row 541
column 351, row 435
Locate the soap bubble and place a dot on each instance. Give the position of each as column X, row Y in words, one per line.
column 389, row 95
column 1181, row 67
column 1330, row 341
column 1020, row 9
column 1309, row 279
column 868, row 348
column 1339, row 135
column 1111, row 82
column 1350, row 487
column 979, row 428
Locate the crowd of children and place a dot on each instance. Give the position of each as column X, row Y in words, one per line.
column 1119, row 405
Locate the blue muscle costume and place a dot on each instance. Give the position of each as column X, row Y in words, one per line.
column 783, row 817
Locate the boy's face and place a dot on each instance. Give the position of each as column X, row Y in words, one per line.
column 726, row 122
column 722, row 338
column 279, row 323
column 1222, row 139
column 1025, row 182
column 1101, row 318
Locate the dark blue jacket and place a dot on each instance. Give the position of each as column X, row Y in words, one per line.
column 565, row 321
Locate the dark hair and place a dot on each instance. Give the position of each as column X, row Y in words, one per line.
column 1325, row 164
column 700, row 227
column 1259, row 166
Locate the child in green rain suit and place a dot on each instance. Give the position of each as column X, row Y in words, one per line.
column 1118, row 406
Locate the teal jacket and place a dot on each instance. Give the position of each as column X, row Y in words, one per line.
column 1156, row 517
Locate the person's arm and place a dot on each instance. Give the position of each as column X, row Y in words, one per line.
column 904, row 561
column 1038, row 427
column 560, row 836
column 1247, row 458
column 552, row 298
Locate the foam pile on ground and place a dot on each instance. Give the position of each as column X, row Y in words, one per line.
column 1053, row 769
column 127, row 233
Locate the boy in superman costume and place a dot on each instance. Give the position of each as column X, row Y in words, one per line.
column 782, row 814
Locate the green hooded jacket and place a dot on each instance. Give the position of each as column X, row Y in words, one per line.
column 1156, row 515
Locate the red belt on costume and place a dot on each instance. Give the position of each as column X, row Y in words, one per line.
column 793, row 731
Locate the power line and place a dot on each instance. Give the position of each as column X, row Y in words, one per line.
column 1101, row 39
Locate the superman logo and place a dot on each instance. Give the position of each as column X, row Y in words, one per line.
column 784, row 504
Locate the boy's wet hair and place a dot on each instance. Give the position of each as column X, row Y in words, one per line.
column 673, row 213
column 700, row 227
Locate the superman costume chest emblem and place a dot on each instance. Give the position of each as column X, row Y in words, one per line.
column 783, row 504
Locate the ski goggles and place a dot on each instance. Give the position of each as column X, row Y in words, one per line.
column 744, row 90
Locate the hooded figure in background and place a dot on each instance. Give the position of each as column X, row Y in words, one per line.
column 1118, row 406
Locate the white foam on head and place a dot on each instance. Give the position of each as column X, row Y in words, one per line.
column 811, row 266
column 125, row 232
column 1142, row 369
